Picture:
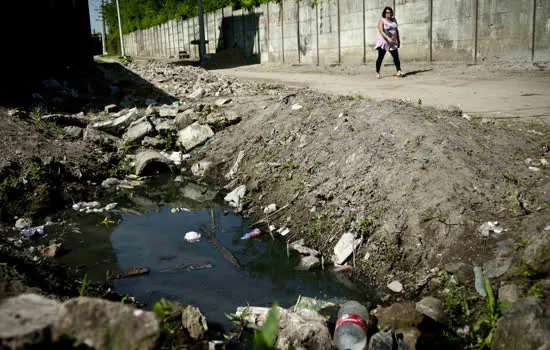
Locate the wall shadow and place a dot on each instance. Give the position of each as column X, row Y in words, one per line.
column 83, row 87
column 238, row 37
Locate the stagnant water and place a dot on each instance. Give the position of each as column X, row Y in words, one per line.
column 150, row 235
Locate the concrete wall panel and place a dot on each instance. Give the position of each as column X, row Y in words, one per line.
column 504, row 30
column 413, row 22
column 453, row 30
column 308, row 32
column 328, row 31
column 275, row 46
column 290, row 20
column 351, row 31
column 542, row 31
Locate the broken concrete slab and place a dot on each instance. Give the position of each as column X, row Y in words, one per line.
column 194, row 135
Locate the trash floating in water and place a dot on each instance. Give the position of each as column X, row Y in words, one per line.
column 488, row 227
column 177, row 210
column 189, row 267
column 192, row 236
column 254, row 233
column 31, row 231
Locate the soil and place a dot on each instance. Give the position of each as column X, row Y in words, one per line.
column 412, row 179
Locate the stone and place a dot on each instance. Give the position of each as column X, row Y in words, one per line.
column 165, row 127
column 114, row 125
column 94, row 321
column 51, row 251
column 151, row 160
column 308, row 263
column 222, row 101
column 26, row 321
column 178, row 157
column 110, row 182
column 198, row 193
column 200, row 168
column 66, row 119
column 497, row 267
column 399, row 316
column 232, row 117
column 536, row 256
column 153, row 142
column 345, row 246
column 198, row 93
column 23, row 223
column 303, row 329
column 234, row 198
column 194, row 135
column 101, row 138
column 166, row 111
column 525, row 325
column 112, row 108
column 194, row 322
column 509, row 292
column 74, row 131
column 137, row 131
column 408, row 337
column 235, row 168
column 396, row 286
column 270, row 209
column 431, row 307
column 300, row 247
column 184, row 119
column 296, row 107
column 386, row 339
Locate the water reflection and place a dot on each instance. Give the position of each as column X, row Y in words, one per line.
column 196, row 273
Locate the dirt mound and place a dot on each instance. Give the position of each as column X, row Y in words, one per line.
column 227, row 58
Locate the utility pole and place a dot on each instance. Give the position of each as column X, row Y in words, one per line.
column 122, row 51
column 202, row 44
column 103, row 41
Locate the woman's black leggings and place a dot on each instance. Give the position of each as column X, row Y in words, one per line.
column 382, row 53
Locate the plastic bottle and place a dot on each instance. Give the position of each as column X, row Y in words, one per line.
column 351, row 327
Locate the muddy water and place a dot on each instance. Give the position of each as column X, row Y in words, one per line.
column 151, row 235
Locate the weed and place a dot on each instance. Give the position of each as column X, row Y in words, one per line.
column 511, row 177
column 83, row 290
column 125, row 59
column 523, row 243
column 364, row 227
column 485, row 326
column 317, row 224
column 37, row 112
column 264, row 338
column 163, row 308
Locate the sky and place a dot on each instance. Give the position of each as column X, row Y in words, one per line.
column 95, row 20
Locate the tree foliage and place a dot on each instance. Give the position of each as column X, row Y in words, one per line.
column 142, row 14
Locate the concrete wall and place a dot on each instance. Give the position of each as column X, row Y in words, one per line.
column 345, row 31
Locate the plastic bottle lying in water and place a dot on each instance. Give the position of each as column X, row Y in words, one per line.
column 351, row 327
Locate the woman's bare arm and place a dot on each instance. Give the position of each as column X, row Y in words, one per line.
column 381, row 31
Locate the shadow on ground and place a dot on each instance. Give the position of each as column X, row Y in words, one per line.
column 86, row 87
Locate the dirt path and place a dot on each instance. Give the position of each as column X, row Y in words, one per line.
column 493, row 92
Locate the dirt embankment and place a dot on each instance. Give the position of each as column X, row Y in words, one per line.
column 412, row 183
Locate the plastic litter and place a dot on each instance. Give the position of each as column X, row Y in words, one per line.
column 192, row 236
column 488, row 227
column 351, row 327
column 478, row 275
column 31, row 231
column 254, row 233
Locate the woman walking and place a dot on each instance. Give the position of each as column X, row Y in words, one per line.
column 388, row 40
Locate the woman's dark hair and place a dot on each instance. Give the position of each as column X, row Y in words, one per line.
column 385, row 9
